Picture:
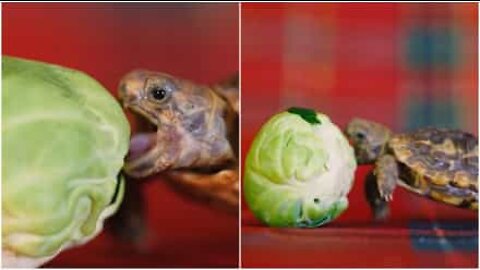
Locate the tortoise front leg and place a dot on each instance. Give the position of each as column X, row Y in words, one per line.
column 217, row 189
column 386, row 172
column 380, row 184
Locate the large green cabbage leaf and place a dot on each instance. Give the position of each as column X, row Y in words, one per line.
column 64, row 138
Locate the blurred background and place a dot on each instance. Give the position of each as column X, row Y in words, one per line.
column 404, row 65
column 198, row 42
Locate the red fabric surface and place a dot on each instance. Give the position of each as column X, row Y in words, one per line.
column 194, row 41
column 364, row 246
column 349, row 60
column 354, row 240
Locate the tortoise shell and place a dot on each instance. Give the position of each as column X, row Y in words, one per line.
column 439, row 163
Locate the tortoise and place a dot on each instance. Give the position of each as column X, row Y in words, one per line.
column 187, row 133
column 438, row 163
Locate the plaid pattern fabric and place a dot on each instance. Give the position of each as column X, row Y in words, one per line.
column 405, row 65
column 419, row 233
column 362, row 245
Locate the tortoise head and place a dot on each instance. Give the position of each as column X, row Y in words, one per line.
column 369, row 139
column 174, row 118
column 161, row 98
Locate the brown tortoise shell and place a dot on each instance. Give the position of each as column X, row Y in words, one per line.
column 439, row 163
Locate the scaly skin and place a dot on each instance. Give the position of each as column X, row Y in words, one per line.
column 197, row 129
column 194, row 146
column 219, row 189
column 440, row 164
column 192, row 123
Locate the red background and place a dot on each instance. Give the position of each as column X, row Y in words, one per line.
column 194, row 41
column 350, row 60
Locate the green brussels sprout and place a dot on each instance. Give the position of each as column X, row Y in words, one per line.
column 299, row 170
column 64, row 138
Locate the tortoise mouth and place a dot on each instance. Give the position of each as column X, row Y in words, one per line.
column 143, row 139
column 140, row 144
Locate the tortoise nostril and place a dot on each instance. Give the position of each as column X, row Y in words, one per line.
column 122, row 88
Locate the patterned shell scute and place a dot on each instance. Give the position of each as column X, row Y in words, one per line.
column 448, row 158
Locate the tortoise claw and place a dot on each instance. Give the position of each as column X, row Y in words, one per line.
column 376, row 198
column 386, row 196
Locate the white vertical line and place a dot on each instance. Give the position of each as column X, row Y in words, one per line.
column 478, row 71
column 240, row 134
column 1, row 106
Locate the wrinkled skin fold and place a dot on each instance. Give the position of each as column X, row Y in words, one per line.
column 188, row 135
column 437, row 163
column 191, row 124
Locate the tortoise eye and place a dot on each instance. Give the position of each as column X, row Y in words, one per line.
column 160, row 93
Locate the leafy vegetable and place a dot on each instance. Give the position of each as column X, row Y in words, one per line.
column 299, row 170
column 64, row 138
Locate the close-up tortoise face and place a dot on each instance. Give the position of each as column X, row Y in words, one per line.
column 161, row 98
column 181, row 124
column 368, row 139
